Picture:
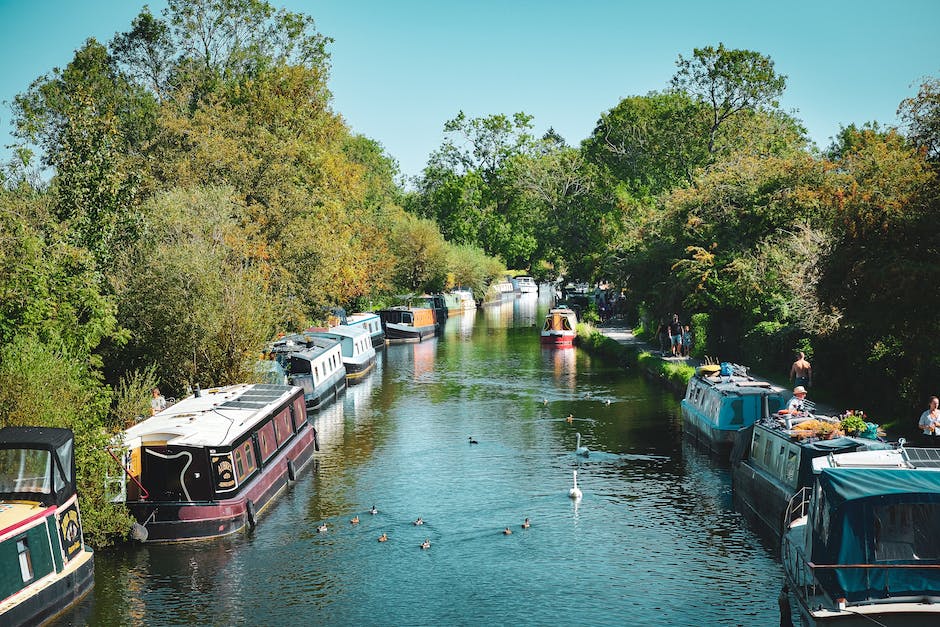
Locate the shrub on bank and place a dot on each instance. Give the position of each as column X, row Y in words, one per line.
column 596, row 343
column 676, row 372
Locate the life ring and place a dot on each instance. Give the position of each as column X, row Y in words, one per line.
column 250, row 513
column 291, row 474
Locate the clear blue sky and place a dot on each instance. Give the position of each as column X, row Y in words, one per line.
column 400, row 69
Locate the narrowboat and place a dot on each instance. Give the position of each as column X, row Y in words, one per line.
column 208, row 465
column 408, row 324
column 435, row 302
column 371, row 323
column 718, row 403
column 560, row 328
column 466, row 299
column 771, row 461
column 524, row 285
column 355, row 346
column 46, row 565
column 314, row 364
column 861, row 546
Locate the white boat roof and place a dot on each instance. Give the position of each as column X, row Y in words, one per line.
column 340, row 330
column 912, row 458
column 358, row 317
column 218, row 417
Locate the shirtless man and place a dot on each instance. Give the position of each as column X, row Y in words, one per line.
column 801, row 373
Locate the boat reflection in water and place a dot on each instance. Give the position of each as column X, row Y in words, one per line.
column 525, row 309
column 563, row 364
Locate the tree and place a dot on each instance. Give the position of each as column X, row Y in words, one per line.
column 147, row 52
column 921, row 116
column 420, row 253
column 728, row 82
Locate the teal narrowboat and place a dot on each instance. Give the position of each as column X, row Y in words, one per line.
column 717, row 405
column 45, row 566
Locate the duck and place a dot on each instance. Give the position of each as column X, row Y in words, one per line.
column 355, row 520
column 373, row 511
column 570, row 418
column 607, row 402
column 575, row 492
column 544, row 401
column 526, row 524
column 472, row 441
column 426, row 544
column 507, row 531
column 383, row 538
column 322, row 528
column 419, row 521
column 579, row 450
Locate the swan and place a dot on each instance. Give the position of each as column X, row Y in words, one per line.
column 383, row 538
column 419, row 521
column 322, row 528
column 373, row 511
column 526, row 524
column 355, row 520
column 426, row 544
column 575, row 492
column 507, row 531
column 583, row 451
column 472, row 441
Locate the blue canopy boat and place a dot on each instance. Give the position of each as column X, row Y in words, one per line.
column 863, row 544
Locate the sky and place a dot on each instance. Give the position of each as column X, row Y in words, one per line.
column 402, row 68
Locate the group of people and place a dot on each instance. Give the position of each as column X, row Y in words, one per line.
column 677, row 335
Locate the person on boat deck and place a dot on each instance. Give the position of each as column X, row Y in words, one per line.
column 795, row 406
column 801, row 373
column 929, row 422
column 157, row 402
column 675, row 336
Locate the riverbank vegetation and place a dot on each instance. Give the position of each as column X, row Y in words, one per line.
column 186, row 190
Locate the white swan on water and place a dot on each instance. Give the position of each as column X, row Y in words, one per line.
column 583, row 451
column 575, row 492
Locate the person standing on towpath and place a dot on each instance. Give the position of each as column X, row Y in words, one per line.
column 801, row 373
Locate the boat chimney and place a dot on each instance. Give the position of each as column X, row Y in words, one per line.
column 197, row 392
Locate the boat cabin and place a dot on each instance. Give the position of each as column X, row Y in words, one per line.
column 314, row 364
column 44, row 564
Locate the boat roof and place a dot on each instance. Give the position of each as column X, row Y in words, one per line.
column 339, row 331
column 357, row 317
column 304, row 345
column 737, row 384
column 44, row 438
column 913, row 458
column 842, row 485
column 218, row 417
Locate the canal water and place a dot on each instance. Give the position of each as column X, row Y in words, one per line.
column 653, row 541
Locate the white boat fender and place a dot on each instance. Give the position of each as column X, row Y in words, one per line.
column 139, row 532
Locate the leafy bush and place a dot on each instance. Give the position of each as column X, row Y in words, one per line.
column 699, row 327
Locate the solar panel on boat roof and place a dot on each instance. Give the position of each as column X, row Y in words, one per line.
column 256, row 397
column 923, row 457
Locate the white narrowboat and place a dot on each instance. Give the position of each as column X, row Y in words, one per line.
column 314, row 364
column 355, row 345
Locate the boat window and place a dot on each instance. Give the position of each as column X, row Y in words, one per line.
column 768, row 452
column 299, row 413
column 755, row 446
column 737, row 412
column 25, row 470
column 283, row 429
column 244, row 461
column 26, row 560
column 565, row 323
column 792, row 465
column 907, row 531
column 267, row 440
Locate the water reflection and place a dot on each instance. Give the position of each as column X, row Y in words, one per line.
column 653, row 541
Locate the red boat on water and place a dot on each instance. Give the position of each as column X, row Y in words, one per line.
column 208, row 465
column 560, row 327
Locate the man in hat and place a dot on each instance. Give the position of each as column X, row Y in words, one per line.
column 795, row 406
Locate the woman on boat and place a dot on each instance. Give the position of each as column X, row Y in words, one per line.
column 930, row 419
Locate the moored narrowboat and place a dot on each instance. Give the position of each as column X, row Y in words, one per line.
column 371, row 323
column 560, row 328
column 435, row 302
column 408, row 324
column 524, row 285
column 355, row 345
column 717, row 405
column 208, row 465
column 46, row 566
column 771, row 461
column 861, row 545
column 314, row 364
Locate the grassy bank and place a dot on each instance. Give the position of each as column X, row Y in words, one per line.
column 675, row 374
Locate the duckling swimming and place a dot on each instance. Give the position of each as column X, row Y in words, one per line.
column 383, row 538
column 570, row 418
column 426, row 544
column 322, row 528
column 507, row 531
column 355, row 520
column 419, row 521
